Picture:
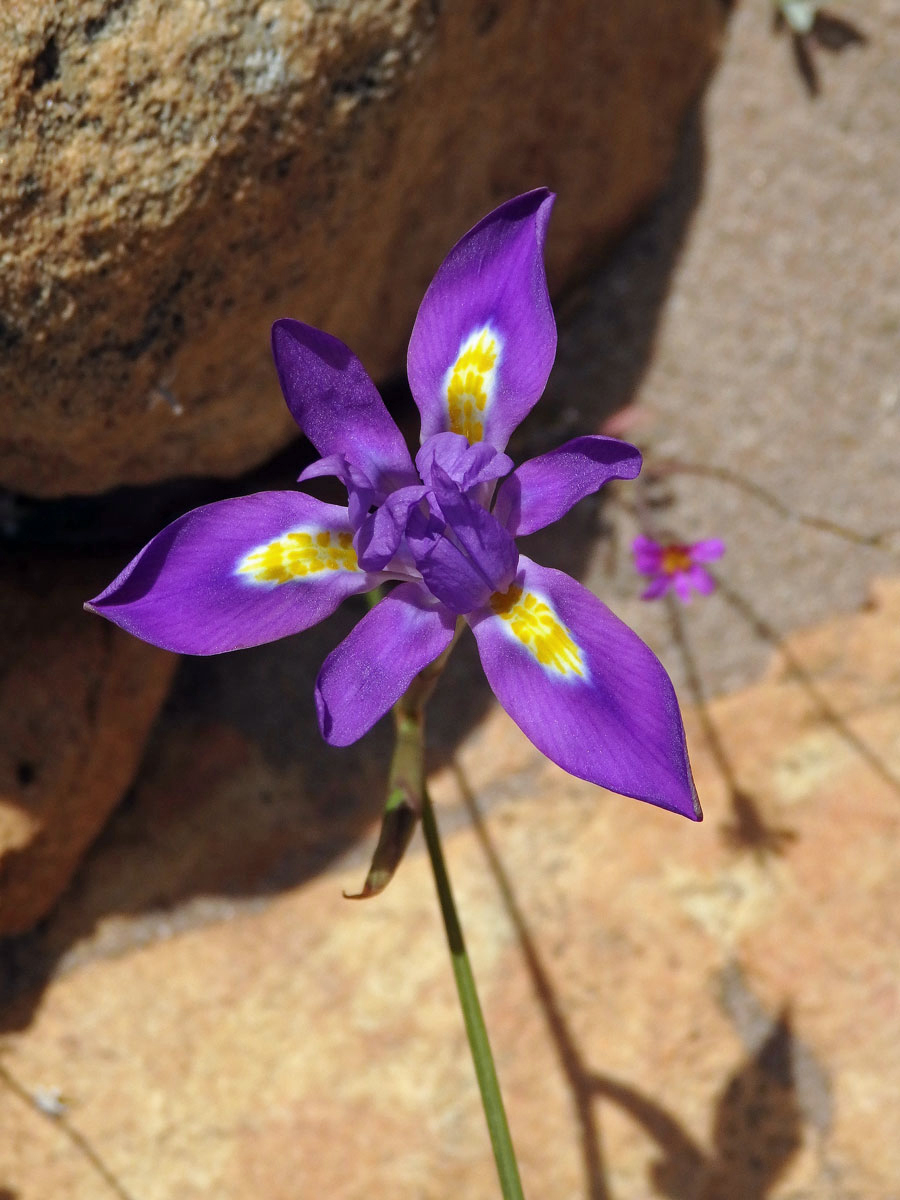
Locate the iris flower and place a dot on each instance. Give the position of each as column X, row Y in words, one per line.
column 676, row 566
column 577, row 681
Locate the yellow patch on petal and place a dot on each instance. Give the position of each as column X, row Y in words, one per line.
column 470, row 383
column 297, row 554
column 539, row 629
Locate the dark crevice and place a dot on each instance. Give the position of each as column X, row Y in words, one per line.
column 45, row 66
column 26, row 773
column 94, row 26
column 486, row 18
column 10, row 335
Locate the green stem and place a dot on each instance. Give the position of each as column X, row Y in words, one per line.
column 407, row 800
column 485, row 1071
column 406, row 781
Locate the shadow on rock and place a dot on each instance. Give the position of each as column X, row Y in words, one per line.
column 759, row 1115
column 757, row 1128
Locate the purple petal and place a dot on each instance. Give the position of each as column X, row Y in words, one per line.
column 585, row 689
column 485, row 338
column 378, row 660
column 701, row 580
column 657, row 588
column 447, row 571
column 337, row 465
column 360, row 491
column 467, row 465
column 542, row 490
column 237, row 573
column 681, row 585
column 336, row 404
column 707, row 551
column 480, row 534
column 648, row 555
column 382, row 531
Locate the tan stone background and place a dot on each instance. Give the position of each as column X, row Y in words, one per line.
column 699, row 1013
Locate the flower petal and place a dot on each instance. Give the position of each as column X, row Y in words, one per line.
column 382, row 531
column 361, row 494
column 701, row 580
column 467, row 465
column 336, row 404
column 237, row 573
column 543, row 489
column 585, row 689
column 707, row 551
column 485, row 541
column 681, row 585
column 447, row 571
column 485, row 338
column 648, row 555
column 378, row 660
column 465, row 557
column 658, row 587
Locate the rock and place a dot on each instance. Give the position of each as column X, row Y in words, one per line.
column 77, row 699
column 676, row 1009
column 173, row 178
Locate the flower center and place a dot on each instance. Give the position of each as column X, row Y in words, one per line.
column 534, row 623
column 298, row 553
column 676, row 559
column 470, row 382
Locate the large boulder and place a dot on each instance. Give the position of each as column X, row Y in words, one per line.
column 77, row 700
column 174, row 177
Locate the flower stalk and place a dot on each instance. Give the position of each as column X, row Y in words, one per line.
column 407, row 801
column 406, row 778
column 409, row 714
column 476, row 1030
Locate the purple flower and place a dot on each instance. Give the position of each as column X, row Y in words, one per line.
column 676, row 566
column 579, row 683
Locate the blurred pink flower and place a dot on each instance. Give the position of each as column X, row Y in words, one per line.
column 676, row 566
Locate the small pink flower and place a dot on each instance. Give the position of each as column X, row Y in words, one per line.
column 676, row 566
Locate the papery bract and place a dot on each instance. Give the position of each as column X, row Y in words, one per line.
column 579, row 683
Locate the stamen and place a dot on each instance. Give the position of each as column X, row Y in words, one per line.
column 534, row 623
column 676, row 559
column 297, row 554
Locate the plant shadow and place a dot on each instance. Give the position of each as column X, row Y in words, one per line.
column 759, row 1114
column 829, row 32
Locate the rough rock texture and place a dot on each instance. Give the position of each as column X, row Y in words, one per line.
column 702, row 1013
column 77, row 699
column 175, row 176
